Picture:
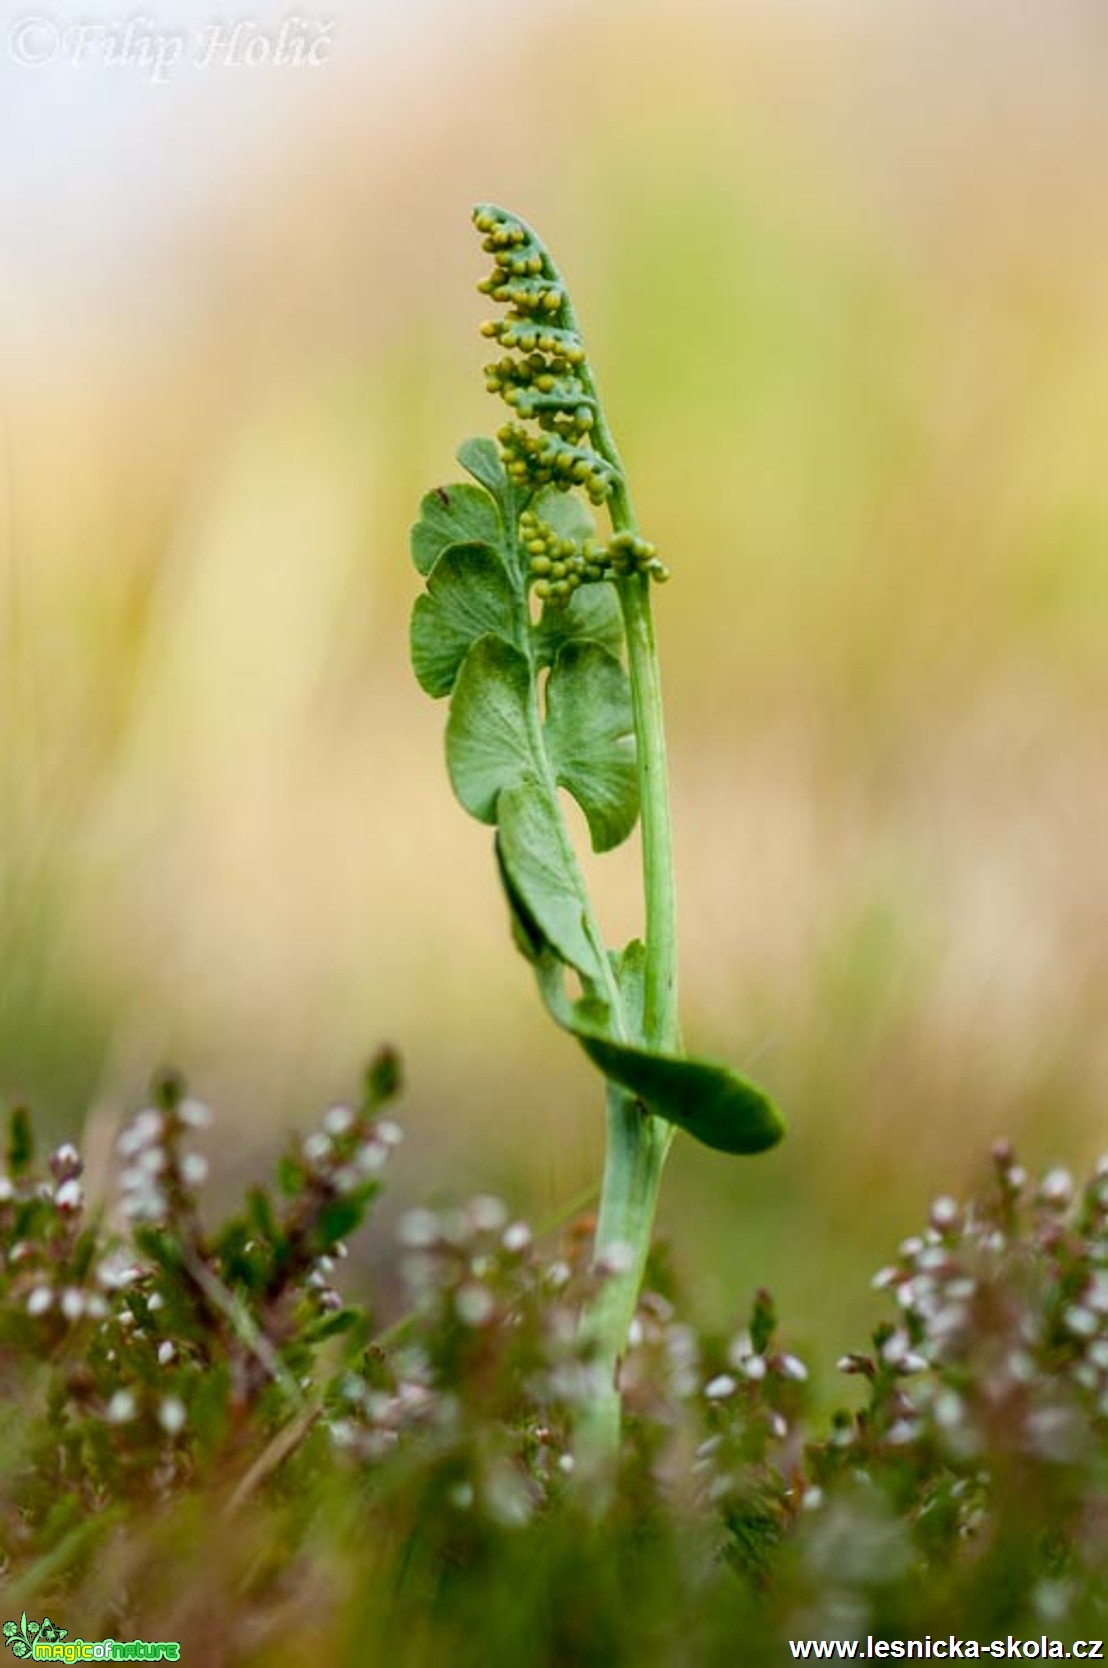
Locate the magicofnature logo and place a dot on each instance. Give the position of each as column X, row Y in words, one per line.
column 43, row 1642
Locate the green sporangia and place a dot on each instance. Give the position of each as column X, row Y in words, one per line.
column 538, row 628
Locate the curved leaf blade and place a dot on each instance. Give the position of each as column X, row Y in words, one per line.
column 541, row 885
column 488, row 744
column 705, row 1098
column 458, row 514
column 480, row 457
column 590, row 738
column 592, row 614
column 708, row 1100
column 468, row 596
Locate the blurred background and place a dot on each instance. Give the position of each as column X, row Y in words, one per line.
column 843, row 266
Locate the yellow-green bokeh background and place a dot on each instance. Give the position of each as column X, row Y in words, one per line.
column 844, row 271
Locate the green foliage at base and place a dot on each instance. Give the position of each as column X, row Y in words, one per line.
column 202, row 1439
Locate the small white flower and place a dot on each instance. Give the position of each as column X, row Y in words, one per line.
column 1081, row 1321
column 901, row 1357
column 73, row 1303
column 371, row 1158
column 475, row 1305
column 388, row 1131
column 121, row 1408
column 194, row 1169
column 167, row 1351
column 949, row 1409
column 146, row 1127
column 791, row 1366
column 1057, row 1188
column 338, row 1120
column 944, row 1212
column 1022, row 1365
column 194, row 1113
column 171, row 1415
column 419, row 1229
column 117, row 1271
column 7, row 1190
column 70, row 1195
column 754, row 1367
column 39, row 1300
column 146, row 1204
column 488, row 1213
column 516, row 1237
column 719, row 1388
column 317, row 1147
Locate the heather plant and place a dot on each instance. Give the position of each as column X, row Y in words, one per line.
column 202, row 1439
column 168, row 1350
column 540, row 631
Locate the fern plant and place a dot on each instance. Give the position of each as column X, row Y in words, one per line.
column 540, row 631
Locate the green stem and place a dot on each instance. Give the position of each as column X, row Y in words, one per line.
column 637, row 1142
column 660, row 1024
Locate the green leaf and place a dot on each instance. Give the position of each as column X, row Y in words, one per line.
column 590, row 739
column 259, row 1208
column 329, row 1326
column 21, row 1141
column 488, row 743
column 383, row 1079
column 469, row 595
column 592, row 613
column 703, row 1097
column 458, row 514
column 541, row 883
column 567, row 514
column 481, row 458
column 339, row 1217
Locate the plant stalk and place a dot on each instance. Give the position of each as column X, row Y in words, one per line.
column 637, row 1142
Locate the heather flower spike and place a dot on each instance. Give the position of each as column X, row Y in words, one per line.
column 570, row 698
